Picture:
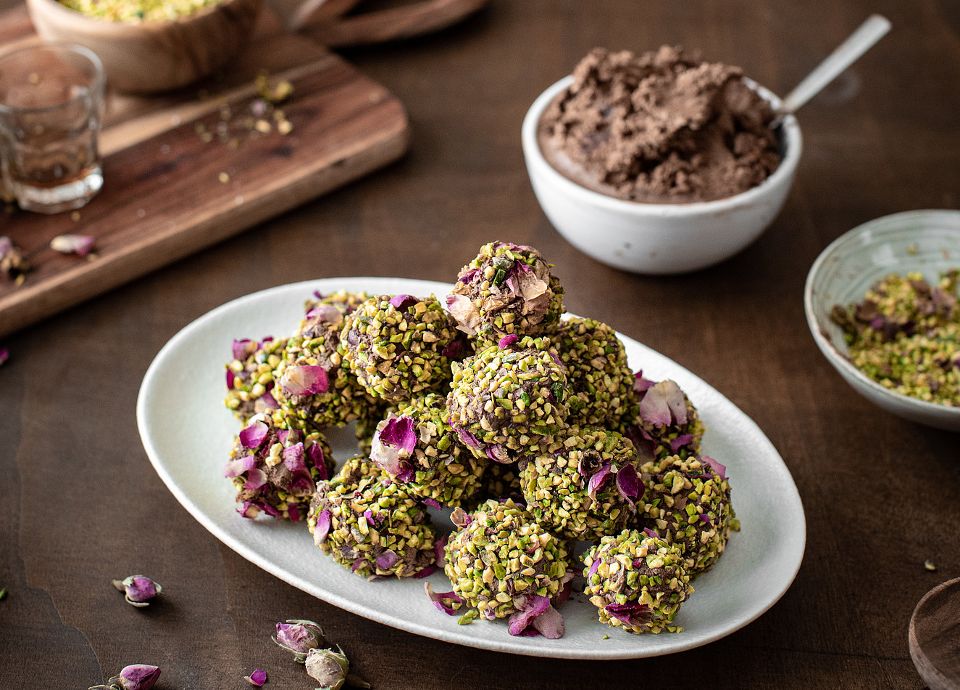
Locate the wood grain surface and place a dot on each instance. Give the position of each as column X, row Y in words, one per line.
column 169, row 193
column 79, row 503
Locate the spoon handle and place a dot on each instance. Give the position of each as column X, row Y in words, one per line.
column 848, row 52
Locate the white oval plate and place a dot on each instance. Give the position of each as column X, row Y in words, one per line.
column 187, row 434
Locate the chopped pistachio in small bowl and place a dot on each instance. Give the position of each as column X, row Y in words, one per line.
column 882, row 307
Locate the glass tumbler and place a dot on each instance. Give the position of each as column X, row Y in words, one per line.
column 51, row 105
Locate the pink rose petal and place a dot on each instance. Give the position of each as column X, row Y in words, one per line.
column 81, row 245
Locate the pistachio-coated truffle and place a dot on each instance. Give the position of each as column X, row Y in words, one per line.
column 601, row 381
column 370, row 524
column 250, row 376
column 275, row 470
column 667, row 423
column 637, row 582
column 509, row 398
column 507, row 289
column 687, row 502
column 418, row 448
column 400, row 346
column 313, row 386
column 501, row 557
column 586, row 484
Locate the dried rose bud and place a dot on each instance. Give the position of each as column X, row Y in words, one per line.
column 138, row 589
column 133, row 677
column 328, row 667
column 299, row 637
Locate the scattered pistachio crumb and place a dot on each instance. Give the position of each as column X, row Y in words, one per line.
column 75, row 216
column 3, row 593
column 223, row 177
column 913, row 249
column 605, row 637
column 929, row 565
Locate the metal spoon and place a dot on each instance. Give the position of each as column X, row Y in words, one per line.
column 848, row 52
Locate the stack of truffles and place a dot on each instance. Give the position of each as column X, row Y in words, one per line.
column 533, row 429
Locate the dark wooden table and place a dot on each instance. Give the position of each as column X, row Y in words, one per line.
column 80, row 504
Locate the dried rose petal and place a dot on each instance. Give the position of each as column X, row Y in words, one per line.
column 467, row 438
column 393, row 444
column 401, row 302
column 651, row 533
column 239, row 466
column 248, row 509
column 521, row 620
column 464, row 313
column 628, row 483
column 318, row 460
column 387, row 560
column 681, row 441
column 498, row 453
column 640, row 384
column 507, row 340
column 255, row 479
column 257, row 678
column 252, row 436
column 721, row 470
column 594, row 567
column 138, row 589
column 439, row 547
column 4, row 355
column 323, row 526
column 240, row 348
column 426, row 572
column 81, row 245
column 305, row 380
column 444, row 601
column 598, row 479
column 432, row 502
column 628, row 613
column 662, row 403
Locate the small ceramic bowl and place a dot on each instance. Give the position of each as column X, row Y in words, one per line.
column 153, row 56
column 927, row 242
column 656, row 238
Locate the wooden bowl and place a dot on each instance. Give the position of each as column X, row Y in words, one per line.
column 153, row 56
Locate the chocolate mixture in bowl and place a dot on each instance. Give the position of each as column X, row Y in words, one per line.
column 661, row 127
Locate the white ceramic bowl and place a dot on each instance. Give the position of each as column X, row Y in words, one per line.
column 924, row 241
column 656, row 238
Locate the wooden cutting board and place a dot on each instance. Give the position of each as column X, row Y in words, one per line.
column 168, row 193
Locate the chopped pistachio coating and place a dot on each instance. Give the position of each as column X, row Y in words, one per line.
column 507, row 401
column 687, row 502
column 501, row 557
column 306, row 395
column 249, row 379
column 637, row 582
column 667, row 423
column 437, row 467
column 275, row 470
column 371, row 525
column 575, row 488
column 601, row 381
column 905, row 335
column 399, row 346
column 507, row 289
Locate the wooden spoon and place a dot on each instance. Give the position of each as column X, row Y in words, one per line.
column 934, row 636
